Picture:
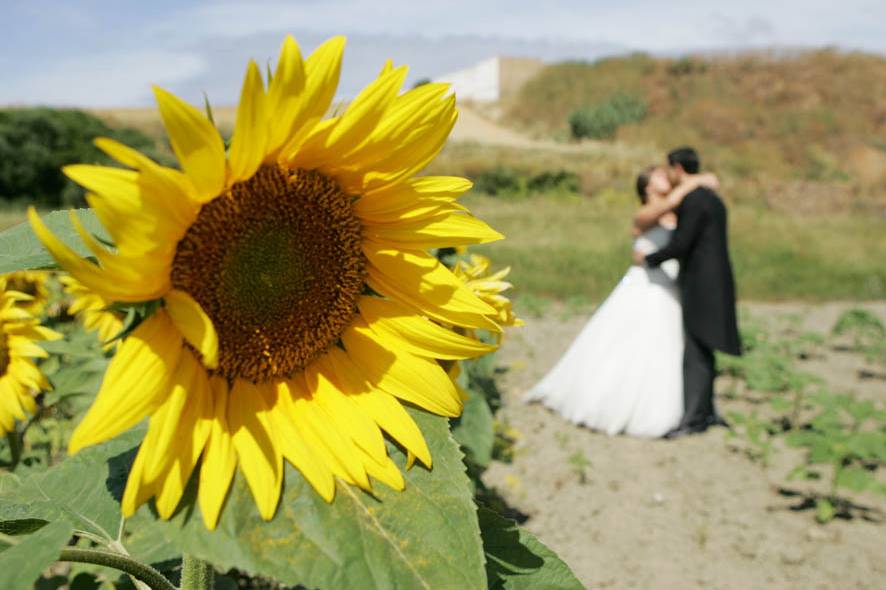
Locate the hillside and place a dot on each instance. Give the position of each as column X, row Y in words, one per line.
column 814, row 116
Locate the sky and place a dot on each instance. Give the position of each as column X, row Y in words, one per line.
column 103, row 53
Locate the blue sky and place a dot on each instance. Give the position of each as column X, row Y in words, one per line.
column 108, row 53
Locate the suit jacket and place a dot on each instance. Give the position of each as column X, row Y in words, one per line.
column 706, row 283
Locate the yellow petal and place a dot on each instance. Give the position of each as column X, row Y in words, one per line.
column 365, row 111
column 84, row 271
column 219, row 460
column 194, row 424
column 284, row 95
column 259, row 458
column 296, row 450
column 336, row 397
column 322, row 71
column 411, row 378
column 391, row 320
column 440, row 231
column 137, row 491
column 317, row 427
column 418, row 280
column 194, row 325
column 250, row 139
column 196, row 143
column 176, row 420
column 137, row 381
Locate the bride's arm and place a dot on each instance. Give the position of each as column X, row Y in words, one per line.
column 651, row 212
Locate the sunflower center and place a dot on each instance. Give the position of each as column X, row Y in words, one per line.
column 276, row 263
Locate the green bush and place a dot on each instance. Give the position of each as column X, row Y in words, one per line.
column 500, row 180
column 36, row 142
column 602, row 120
column 559, row 181
column 503, row 181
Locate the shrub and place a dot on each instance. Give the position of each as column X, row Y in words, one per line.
column 559, row 181
column 500, row 180
column 503, row 181
column 602, row 120
column 36, row 142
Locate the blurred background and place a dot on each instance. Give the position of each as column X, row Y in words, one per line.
column 561, row 104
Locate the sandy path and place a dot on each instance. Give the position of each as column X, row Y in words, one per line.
column 678, row 514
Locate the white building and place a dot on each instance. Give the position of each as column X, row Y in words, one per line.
column 492, row 79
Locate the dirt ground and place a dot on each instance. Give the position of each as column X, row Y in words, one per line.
column 689, row 513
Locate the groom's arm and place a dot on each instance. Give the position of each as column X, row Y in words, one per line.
column 688, row 227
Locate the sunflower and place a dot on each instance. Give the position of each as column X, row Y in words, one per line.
column 32, row 283
column 93, row 311
column 488, row 287
column 20, row 378
column 296, row 302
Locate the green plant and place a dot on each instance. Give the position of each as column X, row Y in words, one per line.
column 753, row 436
column 500, row 181
column 558, row 181
column 602, row 120
column 867, row 332
column 36, row 142
column 580, row 464
column 846, row 437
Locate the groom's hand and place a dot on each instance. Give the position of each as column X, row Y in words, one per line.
column 639, row 258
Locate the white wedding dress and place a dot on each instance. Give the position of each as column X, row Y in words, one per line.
column 624, row 371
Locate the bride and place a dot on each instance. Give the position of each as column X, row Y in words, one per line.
column 623, row 372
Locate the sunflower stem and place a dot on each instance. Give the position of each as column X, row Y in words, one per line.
column 140, row 571
column 15, row 448
column 196, row 574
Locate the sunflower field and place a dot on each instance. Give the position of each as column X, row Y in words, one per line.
column 266, row 366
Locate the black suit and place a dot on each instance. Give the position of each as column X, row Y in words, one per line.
column 708, row 291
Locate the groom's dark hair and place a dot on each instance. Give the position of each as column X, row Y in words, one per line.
column 686, row 157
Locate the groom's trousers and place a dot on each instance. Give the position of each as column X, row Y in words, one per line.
column 698, row 383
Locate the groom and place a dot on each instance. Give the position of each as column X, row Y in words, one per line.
column 707, row 290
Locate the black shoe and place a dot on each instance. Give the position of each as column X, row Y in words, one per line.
column 685, row 431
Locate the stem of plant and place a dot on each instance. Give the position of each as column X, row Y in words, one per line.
column 124, row 563
column 196, row 574
column 15, row 448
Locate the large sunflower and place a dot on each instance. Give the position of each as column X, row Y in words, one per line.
column 20, row 379
column 297, row 300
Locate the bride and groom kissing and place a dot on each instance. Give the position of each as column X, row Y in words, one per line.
column 643, row 365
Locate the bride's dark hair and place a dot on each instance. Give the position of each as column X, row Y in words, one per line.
column 643, row 182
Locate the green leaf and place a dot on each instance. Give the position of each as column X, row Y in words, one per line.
column 426, row 536
column 20, row 249
column 824, row 510
column 82, row 490
column 853, row 478
column 22, row 563
column 515, row 560
column 475, row 429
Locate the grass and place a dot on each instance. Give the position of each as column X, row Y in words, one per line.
column 575, row 248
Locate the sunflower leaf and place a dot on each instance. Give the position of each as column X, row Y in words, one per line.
column 22, row 562
column 82, row 490
column 516, row 560
column 426, row 536
column 21, row 250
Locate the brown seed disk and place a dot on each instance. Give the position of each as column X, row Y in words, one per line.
column 276, row 262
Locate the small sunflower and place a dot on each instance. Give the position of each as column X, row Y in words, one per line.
column 297, row 303
column 20, row 379
column 32, row 283
column 489, row 287
column 93, row 311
